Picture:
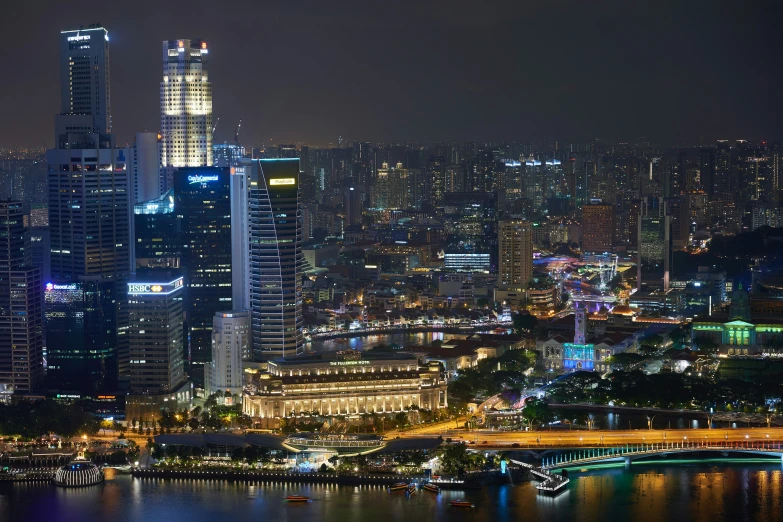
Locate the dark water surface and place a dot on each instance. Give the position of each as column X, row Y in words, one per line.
column 649, row 493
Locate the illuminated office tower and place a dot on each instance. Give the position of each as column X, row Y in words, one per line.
column 185, row 105
column 89, row 222
column 515, row 258
column 230, row 344
column 85, row 98
column 21, row 321
column 227, row 154
column 202, row 202
column 155, row 341
column 654, row 244
column 275, row 254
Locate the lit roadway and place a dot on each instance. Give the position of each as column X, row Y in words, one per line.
column 565, row 438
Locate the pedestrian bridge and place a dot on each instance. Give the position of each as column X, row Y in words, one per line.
column 631, row 452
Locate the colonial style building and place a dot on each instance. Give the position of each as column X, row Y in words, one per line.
column 344, row 383
column 738, row 333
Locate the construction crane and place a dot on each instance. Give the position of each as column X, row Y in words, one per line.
column 236, row 134
column 215, row 126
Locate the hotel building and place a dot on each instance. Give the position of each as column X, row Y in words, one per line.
column 345, row 383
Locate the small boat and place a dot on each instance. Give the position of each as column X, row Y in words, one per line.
column 297, row 498
column 461, row 503
column 399, row 486
column 431, row 487
column 411, row 489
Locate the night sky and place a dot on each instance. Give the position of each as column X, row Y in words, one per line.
column 422, row 71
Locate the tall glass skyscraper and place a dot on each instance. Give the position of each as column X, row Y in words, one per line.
column 21, row 322
column 275, row 256
column 89, row 220
column 185, row 105
column 202, row 202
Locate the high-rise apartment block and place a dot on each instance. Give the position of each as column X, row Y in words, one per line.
column 515, row 257
column 597, row 228
column 185, row 105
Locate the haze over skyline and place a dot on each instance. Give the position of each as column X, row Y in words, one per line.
column 446, row 71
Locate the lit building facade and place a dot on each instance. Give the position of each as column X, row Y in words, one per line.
column 186, row 105
column 230, row 345
column 158, row 233
column 21, row 306
column 275, row 254
column 85, row 97
column 202, row 203
column 345, row 383
column 597, row 228
column 515, row 257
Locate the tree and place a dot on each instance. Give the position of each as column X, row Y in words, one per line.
column 401, row 420
column 194, row 424
column 524, row 323
column 536, row 411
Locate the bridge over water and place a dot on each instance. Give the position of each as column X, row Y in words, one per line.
column 631, row 452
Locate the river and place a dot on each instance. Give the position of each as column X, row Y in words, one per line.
column 365, row 342
column 700, row 492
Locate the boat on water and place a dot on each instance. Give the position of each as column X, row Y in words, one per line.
column 399, row 486
column 297, row 498
column 431, row 488
column 461, row 504
column 411, row 489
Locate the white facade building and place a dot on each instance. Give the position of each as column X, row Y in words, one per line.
column 230, row 344
column 185, row 105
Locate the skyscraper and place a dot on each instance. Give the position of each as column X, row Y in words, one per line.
column 515, row 254
column 185, row 105
column 155, row 341
column 597, row 228
column 21, row 316
column 145, row 167
column 85, row 97
column 275, row 254
column 230, row 344
column 202, row 202
column 654, row 244
column 89, row 223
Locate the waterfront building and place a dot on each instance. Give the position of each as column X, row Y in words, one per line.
column 155, row 344
column 515, row 257
column 21, row 306
column 202, row 203
column 344, row 383
column 186, row 104
column 274, row 231
column 230, row 345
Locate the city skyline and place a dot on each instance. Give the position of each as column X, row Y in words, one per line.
column 548, row 72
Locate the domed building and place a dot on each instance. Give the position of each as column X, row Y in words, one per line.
column 78, row 472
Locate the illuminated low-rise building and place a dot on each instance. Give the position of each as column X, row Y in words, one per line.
column 345, row 383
